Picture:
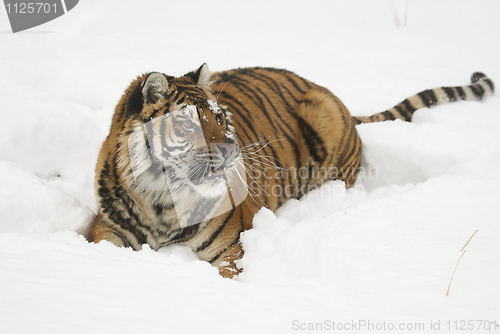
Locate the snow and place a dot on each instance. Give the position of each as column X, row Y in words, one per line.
column 383, row 251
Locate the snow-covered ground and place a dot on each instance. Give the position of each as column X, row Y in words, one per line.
column 370, row 259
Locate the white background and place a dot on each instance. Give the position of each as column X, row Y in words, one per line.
column 384, row 251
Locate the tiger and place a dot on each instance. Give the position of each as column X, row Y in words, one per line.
column 190, row 160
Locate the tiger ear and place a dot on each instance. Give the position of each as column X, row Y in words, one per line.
column 202, row 76
column 154, row 87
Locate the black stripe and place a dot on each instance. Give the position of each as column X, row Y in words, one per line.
column 257, row 100
column 278, row 163
column 188, row 145
column 346, row 119
column 234, row 105
column 181, row 100
column 478, row 91
column 273, row 86
column 199, row 211
column 263, row 109
column 121, row 195
column 155, row 112
column 286, row 75
column 214, row 235
column 461, row 93
column 249, row 124
column 490, row 83
column 408, row 106
column 388, row 115
column 235, row 241
column 186, row 233
column 177, row 132
column 294, row 97
column 135, row 101
column 160, row 208
column 356, row 120
column 162, row 134
column 402, row 111
column 243, row 129
column 428, row 98
column 264, row 79
column 450, row 92
column 289, row 138
column 346, row 145
column 313, row 142
column 117, row 194
column 354, row 151
column 481, row 91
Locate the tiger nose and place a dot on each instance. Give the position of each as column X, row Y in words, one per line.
column 226, row 149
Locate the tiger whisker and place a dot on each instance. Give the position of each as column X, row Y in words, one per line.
column 218, row 94
column 267, row 162
column 267, row 144
column 254, row 179
column 265, row 158
column 249, row 189
column 254, row 168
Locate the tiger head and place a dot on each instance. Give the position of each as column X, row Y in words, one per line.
column 178, row 147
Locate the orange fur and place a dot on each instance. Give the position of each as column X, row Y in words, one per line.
column 293, row 134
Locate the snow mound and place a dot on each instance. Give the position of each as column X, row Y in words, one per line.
column 29, row 205
column 301, row 240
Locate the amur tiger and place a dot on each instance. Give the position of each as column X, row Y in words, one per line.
column 191, row 160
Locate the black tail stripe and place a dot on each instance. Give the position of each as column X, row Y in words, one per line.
column 428, row 98
column 389, row 115
column 432, row 96
column 409, row 107
column 357, row 121
column 478, row 91
column 450, row 92
column 474, row 91
column 403, row 112
column 423, row 98
column 490, row 84
column 461, row 93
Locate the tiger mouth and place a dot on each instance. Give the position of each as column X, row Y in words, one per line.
column 216, row 173
column 211, row 175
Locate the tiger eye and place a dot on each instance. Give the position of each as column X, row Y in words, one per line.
column 187, row 124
